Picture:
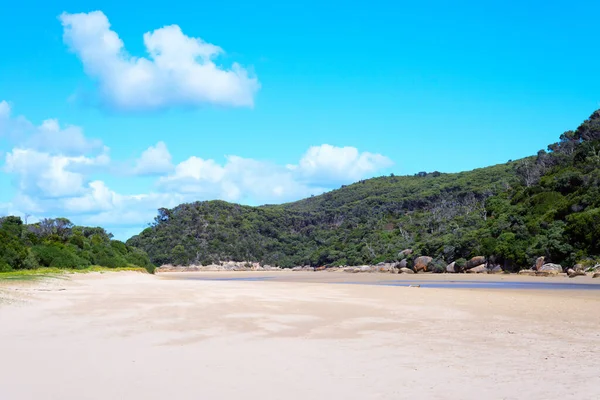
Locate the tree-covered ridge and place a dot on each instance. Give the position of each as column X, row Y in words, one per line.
column 548, row 204
column 58, row 243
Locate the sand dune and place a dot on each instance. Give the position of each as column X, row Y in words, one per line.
column 136, row 336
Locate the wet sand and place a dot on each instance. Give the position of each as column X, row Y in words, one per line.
column 295, row 336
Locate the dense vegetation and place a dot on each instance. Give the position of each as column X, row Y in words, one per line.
column 544, row 205
column 56, row 243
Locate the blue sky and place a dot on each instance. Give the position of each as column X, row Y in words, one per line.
column 276, row 100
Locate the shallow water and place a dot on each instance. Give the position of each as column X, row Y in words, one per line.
column 454, row 284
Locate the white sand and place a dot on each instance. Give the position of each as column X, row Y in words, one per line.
column 135, row 336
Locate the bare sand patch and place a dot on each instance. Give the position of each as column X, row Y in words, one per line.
column 137, row 336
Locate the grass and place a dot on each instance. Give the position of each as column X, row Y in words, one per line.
column 31, row 274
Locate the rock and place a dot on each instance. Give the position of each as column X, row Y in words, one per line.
column 304, row 268
column 451, row 268
column 528, row 272
column 578, row 267
column 596, row 275
column 480, row 269
column 551, row 268
column 386, row 268
column 405, row 253
column 475, row 262
column 572, row 273
column 321, row 268
column 593, row 268
column 421, row 263
column 406, row 271
column 539, row 263
column 361, row 268
column 496, row 269
column 403, row 264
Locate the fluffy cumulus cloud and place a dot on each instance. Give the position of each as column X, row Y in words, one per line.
column 238, row 179
column 179, row 71
column 253, row 181
column 46, row 175
column 155, row 160
column 47, row 137
column 58, row 171
column 331, row 164
column 50, row 137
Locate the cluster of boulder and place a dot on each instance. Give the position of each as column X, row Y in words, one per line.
column 540, row 268
column 476, row 265
column 224, row 266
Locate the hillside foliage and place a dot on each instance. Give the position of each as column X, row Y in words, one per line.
column 544, row 205
column 57, row 243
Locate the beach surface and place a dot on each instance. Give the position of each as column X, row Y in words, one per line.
column 298, row 335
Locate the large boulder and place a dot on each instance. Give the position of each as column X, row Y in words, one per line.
column 422, row 262
column 403, row 264
column 475, row 262
column 539, row 262
column 572, row 273
column 386, row 267
column 495, row 269
column 480, row 269
column 551, row 268
column 406, row 271
column 451, row 268
column 596, row 275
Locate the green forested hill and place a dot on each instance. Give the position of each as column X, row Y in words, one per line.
column 547, row 204
column 57, row 243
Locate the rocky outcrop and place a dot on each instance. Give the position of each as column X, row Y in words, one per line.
column 572, row 273
column 551, row 268
column 421, row 263
column 475, row 262
column 539, row 263
column 381, row 268
column 304, row 268
column 578, row 267
column 226, row 266
column 480, row 269
column 596, row 275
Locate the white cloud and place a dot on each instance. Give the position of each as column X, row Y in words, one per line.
column 154, row 160
column 50, row 176
column 55, row 172
column 48, row 137
column 330, row 164
column 180, row 70
column 253, row 181
column 238, row 179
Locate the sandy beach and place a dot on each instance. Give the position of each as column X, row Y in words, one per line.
column 295, row 336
